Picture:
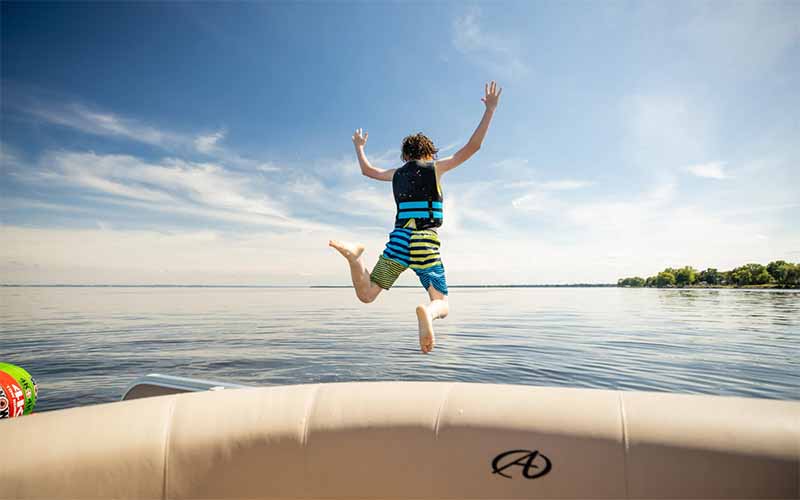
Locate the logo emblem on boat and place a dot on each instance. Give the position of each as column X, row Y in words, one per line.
column 533, row 463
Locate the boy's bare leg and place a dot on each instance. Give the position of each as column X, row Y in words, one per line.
column 437, row 309
column 366, row 290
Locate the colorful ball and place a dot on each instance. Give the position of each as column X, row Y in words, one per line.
column 18, row 391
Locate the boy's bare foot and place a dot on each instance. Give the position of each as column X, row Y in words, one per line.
column 426, row 337
column 350, row 251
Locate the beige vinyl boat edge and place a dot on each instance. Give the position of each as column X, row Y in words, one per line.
column 407, row 440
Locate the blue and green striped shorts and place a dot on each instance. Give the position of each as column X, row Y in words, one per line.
column 414, row 248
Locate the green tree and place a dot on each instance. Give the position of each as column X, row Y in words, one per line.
column 741, row 276
column 631, row 282
column 710, row 276
column 664, row 279
column 792, row 274
column 685, row 276
column 762, row 278
column 778, row 269
column 758, row 274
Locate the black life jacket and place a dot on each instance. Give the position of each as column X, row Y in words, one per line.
column 417, row 196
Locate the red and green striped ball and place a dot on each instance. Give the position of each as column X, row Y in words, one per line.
column 18, row 391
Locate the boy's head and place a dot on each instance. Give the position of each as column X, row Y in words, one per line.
column 418, row 147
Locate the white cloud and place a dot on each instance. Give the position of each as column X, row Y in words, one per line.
column 345, row 166
column 666, row 130
column 369, row 201
column 208, row 143
column 449, row 147
column 16, row 203
column 598, row 241
column 630, row 214
column 564, row 185
column 348, row 166
column 306, row 186
column 535, row 202
column 94, row 122
column 498, row 53
column 109, row 255
column 516, row 171
column 267, row 167
column 390, row 156
column 7, row 156
column 713, row 170
column 170, row 185
column 538, row 197
column 90, row 121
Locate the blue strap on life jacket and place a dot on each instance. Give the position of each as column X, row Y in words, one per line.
column 410, row 210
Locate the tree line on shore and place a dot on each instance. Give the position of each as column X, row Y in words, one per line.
column 777, row 273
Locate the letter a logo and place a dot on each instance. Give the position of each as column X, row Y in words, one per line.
column 533, row 463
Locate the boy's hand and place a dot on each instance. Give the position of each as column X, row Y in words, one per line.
column 492, row 96
column 358, row 140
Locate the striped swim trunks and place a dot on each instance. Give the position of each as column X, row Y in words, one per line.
column 417, row 249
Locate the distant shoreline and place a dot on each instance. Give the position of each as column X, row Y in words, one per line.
column 770, row 286
column 62, row 285
column 778, row 274
column 571, row 285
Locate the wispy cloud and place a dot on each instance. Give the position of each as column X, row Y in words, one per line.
column 559, row 185
column 497, row 53
column 267, row 167
column 564, row 185
column 633, row 214
column 103, row 123
column 537, row 196
column 17, row 203
column 535, row 202
column 80, row 117
column 540, row 199
column 665, row 130
column 713, row 170
column 105, row 254
column 208, row 143
column 170, row 185
column 7, row 155
column 451, row 146
column 371, row 202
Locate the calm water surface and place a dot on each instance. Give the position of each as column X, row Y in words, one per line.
column 85, row 345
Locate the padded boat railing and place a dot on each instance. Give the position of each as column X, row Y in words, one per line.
column 156, row 384
column 407, row 440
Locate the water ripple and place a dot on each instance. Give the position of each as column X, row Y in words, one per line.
column 86, row 345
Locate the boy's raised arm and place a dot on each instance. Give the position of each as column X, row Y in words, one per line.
column 366, row 168
column 491, row 98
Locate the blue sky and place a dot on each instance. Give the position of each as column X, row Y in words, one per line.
column 210, row 143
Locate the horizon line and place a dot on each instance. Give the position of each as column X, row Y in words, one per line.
column 162, row 285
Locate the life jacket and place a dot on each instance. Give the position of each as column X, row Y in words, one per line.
column 417, row 195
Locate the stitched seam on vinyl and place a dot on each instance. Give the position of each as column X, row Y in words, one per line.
column 309, row 411
column 625, row 442
column 441, row 408
column 167, row 437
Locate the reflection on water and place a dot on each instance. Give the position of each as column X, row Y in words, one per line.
column 85, row 345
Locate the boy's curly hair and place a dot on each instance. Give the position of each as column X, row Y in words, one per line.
column 417, row 146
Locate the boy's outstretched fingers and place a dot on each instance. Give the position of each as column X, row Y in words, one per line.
column 358, row 139
column 492, row 95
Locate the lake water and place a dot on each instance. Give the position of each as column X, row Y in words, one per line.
column 85, row 345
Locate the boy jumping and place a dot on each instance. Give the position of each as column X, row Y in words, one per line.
column 414, row 242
